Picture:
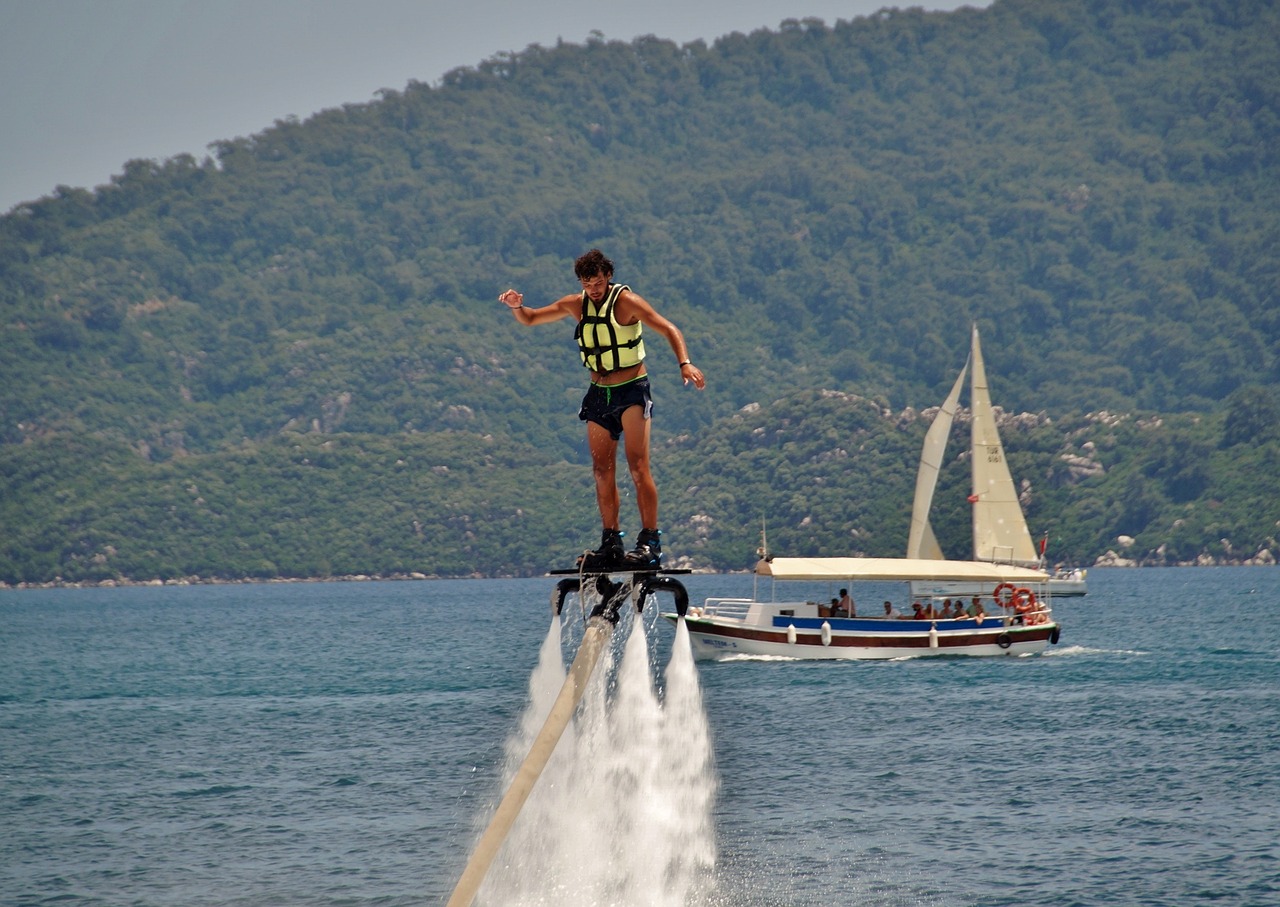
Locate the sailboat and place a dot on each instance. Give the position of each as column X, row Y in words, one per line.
column 1000, row 533
column 1006, row 609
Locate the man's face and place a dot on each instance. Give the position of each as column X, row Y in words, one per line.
column 596, row 286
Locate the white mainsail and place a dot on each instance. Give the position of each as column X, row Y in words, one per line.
column 921, row 542
column 999, row 529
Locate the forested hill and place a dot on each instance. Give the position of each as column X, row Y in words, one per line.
column 821, row 207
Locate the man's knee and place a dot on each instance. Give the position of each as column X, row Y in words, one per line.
column 604, row 471
column 641, row 477
column 638, row 466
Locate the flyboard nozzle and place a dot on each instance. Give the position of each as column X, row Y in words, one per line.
column 612, row 597
column 598, row 630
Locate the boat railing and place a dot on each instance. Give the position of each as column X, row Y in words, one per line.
column 726, row 607
column 1002, row 554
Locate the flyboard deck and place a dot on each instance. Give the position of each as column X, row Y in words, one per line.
column 609, row 595
column 630, row 571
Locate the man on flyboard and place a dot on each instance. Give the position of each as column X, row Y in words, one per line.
column 611, row 320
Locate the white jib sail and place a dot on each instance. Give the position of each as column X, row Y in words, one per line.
column 921, row 542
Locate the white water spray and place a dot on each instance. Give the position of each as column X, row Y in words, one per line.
column 622, row 814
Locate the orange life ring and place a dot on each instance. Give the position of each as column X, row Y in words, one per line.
column 999, row 598
column 1024, row 601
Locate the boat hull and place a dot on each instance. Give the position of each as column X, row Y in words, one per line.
column 863, row 639
column 1068, row 588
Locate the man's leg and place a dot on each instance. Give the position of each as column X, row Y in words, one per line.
column 635, row 438
column 604, row 455
column 647, row 553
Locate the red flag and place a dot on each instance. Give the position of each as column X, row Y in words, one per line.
column 1044, row 543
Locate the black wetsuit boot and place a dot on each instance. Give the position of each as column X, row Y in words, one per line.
column 609, row 556
column 647, row 554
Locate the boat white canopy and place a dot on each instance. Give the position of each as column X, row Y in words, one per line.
column 897, row 568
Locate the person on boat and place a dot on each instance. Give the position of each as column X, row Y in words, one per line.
column 846, row 604
column 918, row 610
column 610, row 323
column 891, row 613
column 945, row 614
column 975, row 608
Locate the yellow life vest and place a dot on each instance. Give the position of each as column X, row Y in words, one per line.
column 605, row 345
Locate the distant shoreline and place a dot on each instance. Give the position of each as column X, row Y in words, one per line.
column 244, row 581
column 417, row 577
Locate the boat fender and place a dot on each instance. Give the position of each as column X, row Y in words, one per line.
column 1055, row 634
column 933, row 636
column 826, row 633
column 1004, row 640
column 791, row 634
column 561, row 592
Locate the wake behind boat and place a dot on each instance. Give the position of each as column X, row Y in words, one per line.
column 1014, row 617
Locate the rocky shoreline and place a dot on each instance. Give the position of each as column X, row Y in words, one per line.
column 1264, row 558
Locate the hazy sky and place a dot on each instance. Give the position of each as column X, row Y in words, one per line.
column 90, row 84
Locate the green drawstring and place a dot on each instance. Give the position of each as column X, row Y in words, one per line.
column 608, row 388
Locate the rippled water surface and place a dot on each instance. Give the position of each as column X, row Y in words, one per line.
column 344, row 744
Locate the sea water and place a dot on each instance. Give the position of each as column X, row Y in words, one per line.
column 346, row 743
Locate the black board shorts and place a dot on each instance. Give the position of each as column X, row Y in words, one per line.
column 604, row 404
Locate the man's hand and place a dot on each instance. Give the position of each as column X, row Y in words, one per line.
column 512, row 299
column 690, row 372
